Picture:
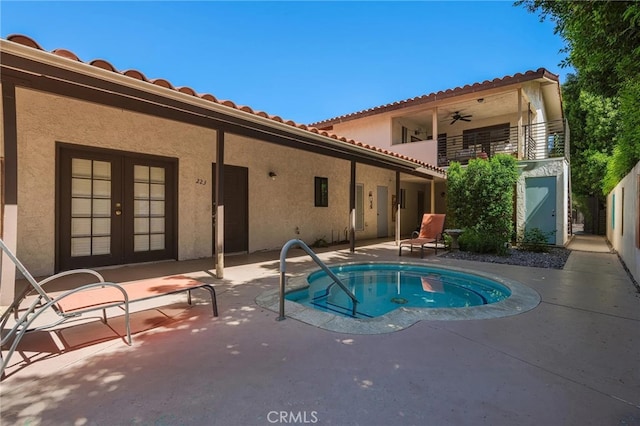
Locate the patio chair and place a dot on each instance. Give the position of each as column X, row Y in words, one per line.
column 96, row 296
column 431, row 234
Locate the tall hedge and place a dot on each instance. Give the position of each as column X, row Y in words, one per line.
column 480, row 201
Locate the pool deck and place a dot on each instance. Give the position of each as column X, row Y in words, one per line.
column 572, row 360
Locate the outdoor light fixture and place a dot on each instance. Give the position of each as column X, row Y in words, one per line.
column 370, row 199
column 272, row 175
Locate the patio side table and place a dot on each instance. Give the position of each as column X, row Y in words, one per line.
column 454, row 234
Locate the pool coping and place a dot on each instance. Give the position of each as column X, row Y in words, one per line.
column 522, row 299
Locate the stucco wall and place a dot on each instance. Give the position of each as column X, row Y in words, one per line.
column 623, row 229
column 533, row 93
column 409, row 214
column 279, row 209
column 440, row 198
column 372, row 177
column 370, row 130
column 383, row 129
column 559, row 168
column 1, row 168
column 44, row 119
column 426, row 151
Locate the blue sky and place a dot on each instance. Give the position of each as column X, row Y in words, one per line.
column 305, row 61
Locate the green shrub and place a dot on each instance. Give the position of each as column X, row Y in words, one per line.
column 480, row 201
column 474, row 240
column 535, row 240
column 447, row 241
column 319, row 243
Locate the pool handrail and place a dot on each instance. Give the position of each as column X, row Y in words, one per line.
column 283, row 266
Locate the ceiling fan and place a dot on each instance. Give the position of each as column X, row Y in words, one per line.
column 457, row 116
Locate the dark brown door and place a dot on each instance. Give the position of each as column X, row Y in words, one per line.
column 236, row 208
column 114, row 208
column 420, row 210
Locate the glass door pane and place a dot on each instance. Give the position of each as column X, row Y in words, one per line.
column 90, row 207
column 149, row 213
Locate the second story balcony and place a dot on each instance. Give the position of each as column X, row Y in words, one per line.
column 530, row 142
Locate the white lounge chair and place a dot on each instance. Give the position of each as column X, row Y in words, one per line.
column 99, row 295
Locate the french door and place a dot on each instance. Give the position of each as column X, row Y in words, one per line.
column 114, row 208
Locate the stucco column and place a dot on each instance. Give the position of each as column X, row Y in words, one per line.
column 434, row 123
column 520, row 132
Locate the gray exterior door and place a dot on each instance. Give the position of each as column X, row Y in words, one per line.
column 541, row 205
column 383, row 217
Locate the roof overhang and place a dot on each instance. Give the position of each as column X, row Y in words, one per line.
column 29, row 67
column 549, row 82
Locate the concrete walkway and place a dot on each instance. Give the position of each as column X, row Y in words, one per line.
column 590, row 243
column 572, row 360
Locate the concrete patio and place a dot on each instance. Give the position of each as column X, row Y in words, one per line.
column 572, row 360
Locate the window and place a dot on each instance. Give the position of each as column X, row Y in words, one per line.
column 403, row 198
column 482, row 138
column 622, row 210
column 321, row 192
column 405, row 135
column 613, row 211
column 359, row 207
column 638, row 213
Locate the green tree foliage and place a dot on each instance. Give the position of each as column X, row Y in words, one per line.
column 594, row 127
column 603, row 39
column 627, row 150
column 603, row 45
column 480, row 200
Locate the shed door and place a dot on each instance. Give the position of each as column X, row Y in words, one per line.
column 541, row 205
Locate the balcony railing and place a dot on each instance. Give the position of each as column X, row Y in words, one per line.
column 546, row 140
column 539, row 141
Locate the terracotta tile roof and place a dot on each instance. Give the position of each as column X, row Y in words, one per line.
column 443, row 94
column 100, row 63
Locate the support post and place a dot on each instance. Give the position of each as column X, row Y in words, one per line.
column 434, row 124
column 219, row 230
column 520, row 132
column 432, row 208
column 397, row 208
column 352, row 208
column 9, row 193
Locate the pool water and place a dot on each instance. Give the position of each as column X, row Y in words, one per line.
column 382, row 287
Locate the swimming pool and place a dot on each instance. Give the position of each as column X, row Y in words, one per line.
column 383, row 287
column 520, row 299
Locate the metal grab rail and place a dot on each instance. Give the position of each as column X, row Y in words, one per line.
column 283, row 259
